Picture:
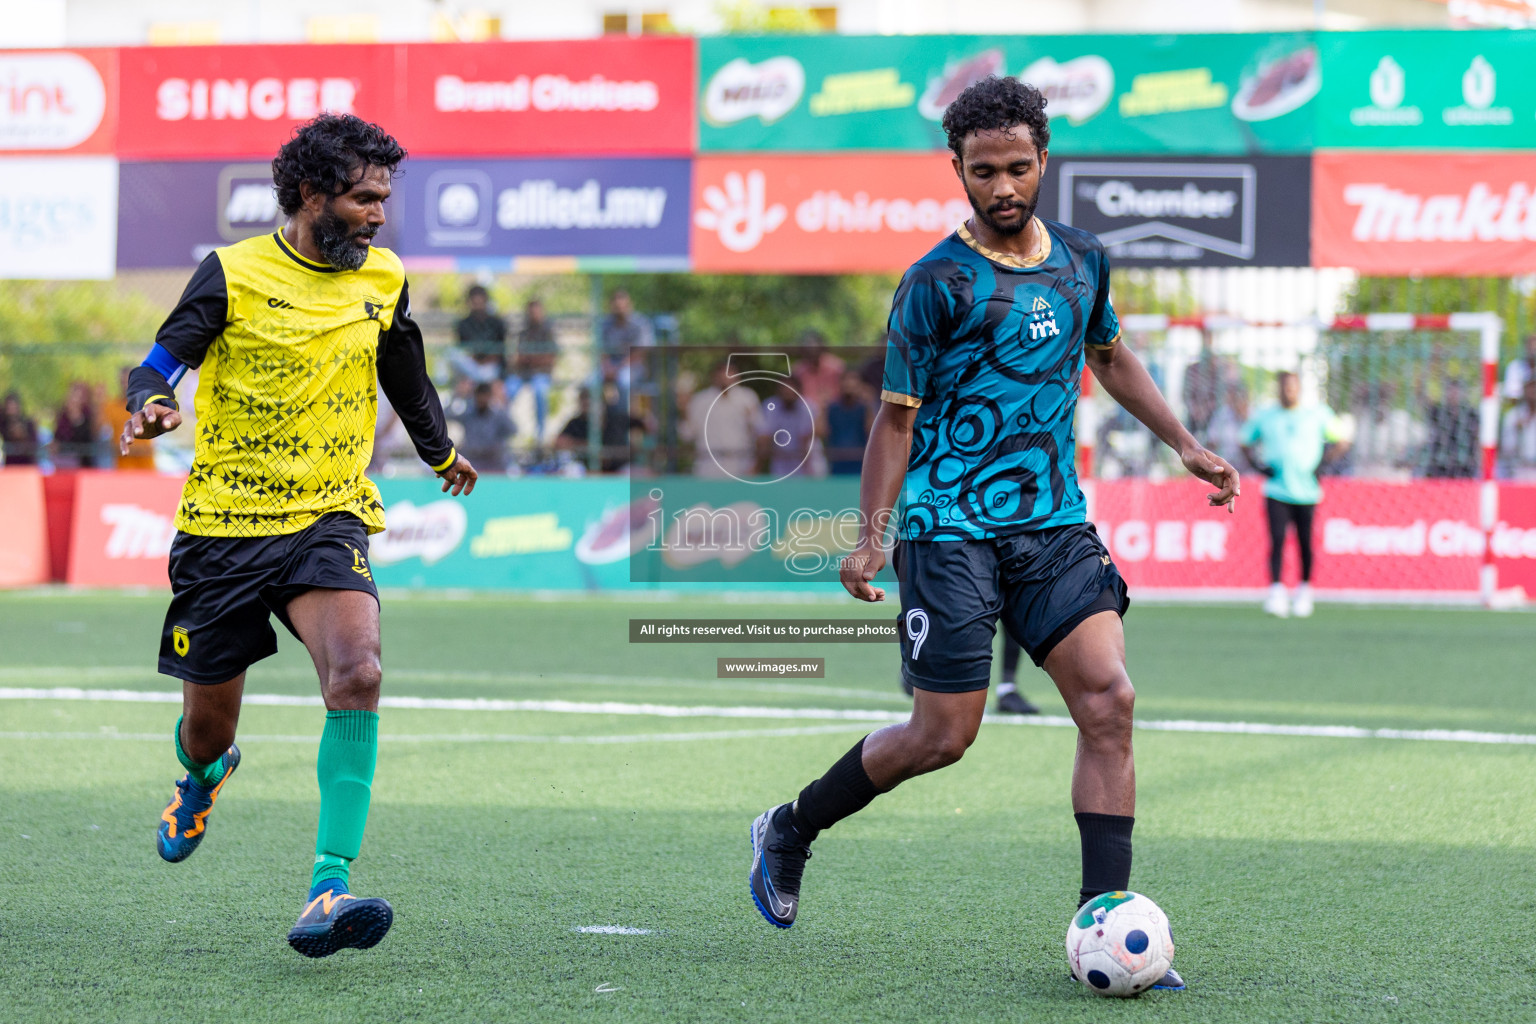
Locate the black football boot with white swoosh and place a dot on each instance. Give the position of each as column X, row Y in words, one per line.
column 779, row 853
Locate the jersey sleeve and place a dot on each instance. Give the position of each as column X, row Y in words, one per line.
column 403, row 377
column 200, row 315
column 1103, row 325
column 920, row 316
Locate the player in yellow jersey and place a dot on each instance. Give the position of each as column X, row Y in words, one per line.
column 290, row 331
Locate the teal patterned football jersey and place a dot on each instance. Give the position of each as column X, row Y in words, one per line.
column 989, row 349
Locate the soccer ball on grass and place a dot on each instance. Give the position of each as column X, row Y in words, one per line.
column 1119, row 944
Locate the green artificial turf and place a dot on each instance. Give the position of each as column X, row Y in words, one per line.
column 1307, row 878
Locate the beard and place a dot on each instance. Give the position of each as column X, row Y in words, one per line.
column 1027, row 206
column 342, row 246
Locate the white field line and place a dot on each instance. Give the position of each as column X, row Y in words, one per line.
column 464, row 737
column 569, row 707
column 108, row 674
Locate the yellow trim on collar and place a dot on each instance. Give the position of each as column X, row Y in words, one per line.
column 1006, row 259
column 897, row 398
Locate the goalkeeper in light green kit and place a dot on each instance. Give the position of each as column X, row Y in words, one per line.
column 1288, row 443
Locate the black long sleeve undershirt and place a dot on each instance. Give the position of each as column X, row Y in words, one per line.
column 403, row 377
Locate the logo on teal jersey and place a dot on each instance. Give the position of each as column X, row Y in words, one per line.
column 1042, row 320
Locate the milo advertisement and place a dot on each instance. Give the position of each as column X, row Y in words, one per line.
column 1190, row 94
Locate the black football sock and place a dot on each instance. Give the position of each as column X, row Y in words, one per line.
column 844, row 790
column 1106, row 840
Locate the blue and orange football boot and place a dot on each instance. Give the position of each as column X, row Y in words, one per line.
column 335, row 919
column 184, row 821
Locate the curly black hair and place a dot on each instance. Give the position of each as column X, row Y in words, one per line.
column 329, row 152
column 997, row 104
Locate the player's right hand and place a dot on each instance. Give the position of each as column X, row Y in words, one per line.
column 151, row 421
column 859, row 567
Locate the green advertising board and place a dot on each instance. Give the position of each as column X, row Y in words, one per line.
column 534, row 533
column 1427, row 90
column 1188, row 94
column 542, row 533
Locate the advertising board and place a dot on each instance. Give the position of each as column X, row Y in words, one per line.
column 1106, row 94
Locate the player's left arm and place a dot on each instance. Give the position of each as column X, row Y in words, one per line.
column 1129, row 383
column 403, row 376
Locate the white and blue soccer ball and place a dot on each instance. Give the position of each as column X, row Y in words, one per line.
column 1119, row 944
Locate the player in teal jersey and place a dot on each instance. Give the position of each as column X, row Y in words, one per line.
column 988, row 338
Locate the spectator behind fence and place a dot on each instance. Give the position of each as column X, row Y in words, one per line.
column 1205, row 383
column 1224, row 433
column 820, row 372
column 846, row 427
column 1452, row 448
column 76, row 430
column 112, row 414
column 724, row 423
column 487, row 429
column 534, row 362
column 18, row 433
column 621, row 335
column 1520, row 371
column 1517, row 438
column 482, row 352
column 1387, row 437
column 1288, row 443
column 789, row 432
column 617, row 430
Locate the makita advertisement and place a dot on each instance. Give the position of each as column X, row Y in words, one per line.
column 501, row 209
column 1425, row 213
column 174, row 213
column 1188, row 211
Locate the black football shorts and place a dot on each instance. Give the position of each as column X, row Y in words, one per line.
column 225, row 590
column 1041, row 584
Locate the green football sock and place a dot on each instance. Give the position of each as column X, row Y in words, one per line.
column 349, row 749
column 204, row 775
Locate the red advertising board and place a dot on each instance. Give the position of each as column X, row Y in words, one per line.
column 1424, row 213
column 822, row 214
column 1514, row 540
column 24, row 541
column 1420, row 537
column 58, row 101
column 609, row 97
column 189, row 102
column 123, row 527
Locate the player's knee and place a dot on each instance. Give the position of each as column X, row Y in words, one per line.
column 944, row 747
column 1106, row 712
column 354, row 681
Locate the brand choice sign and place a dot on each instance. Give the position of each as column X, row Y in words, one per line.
column 1190, row 212
column 593, row 96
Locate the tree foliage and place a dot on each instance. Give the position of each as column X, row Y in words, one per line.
column 52, row 334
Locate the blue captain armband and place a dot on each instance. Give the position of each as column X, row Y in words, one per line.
column 165, row 364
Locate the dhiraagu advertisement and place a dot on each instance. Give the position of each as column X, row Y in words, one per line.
column 1189, row 94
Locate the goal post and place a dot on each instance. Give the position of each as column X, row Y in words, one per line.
column 1416, row 393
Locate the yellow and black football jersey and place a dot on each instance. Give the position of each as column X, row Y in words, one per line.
column 289, row 351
